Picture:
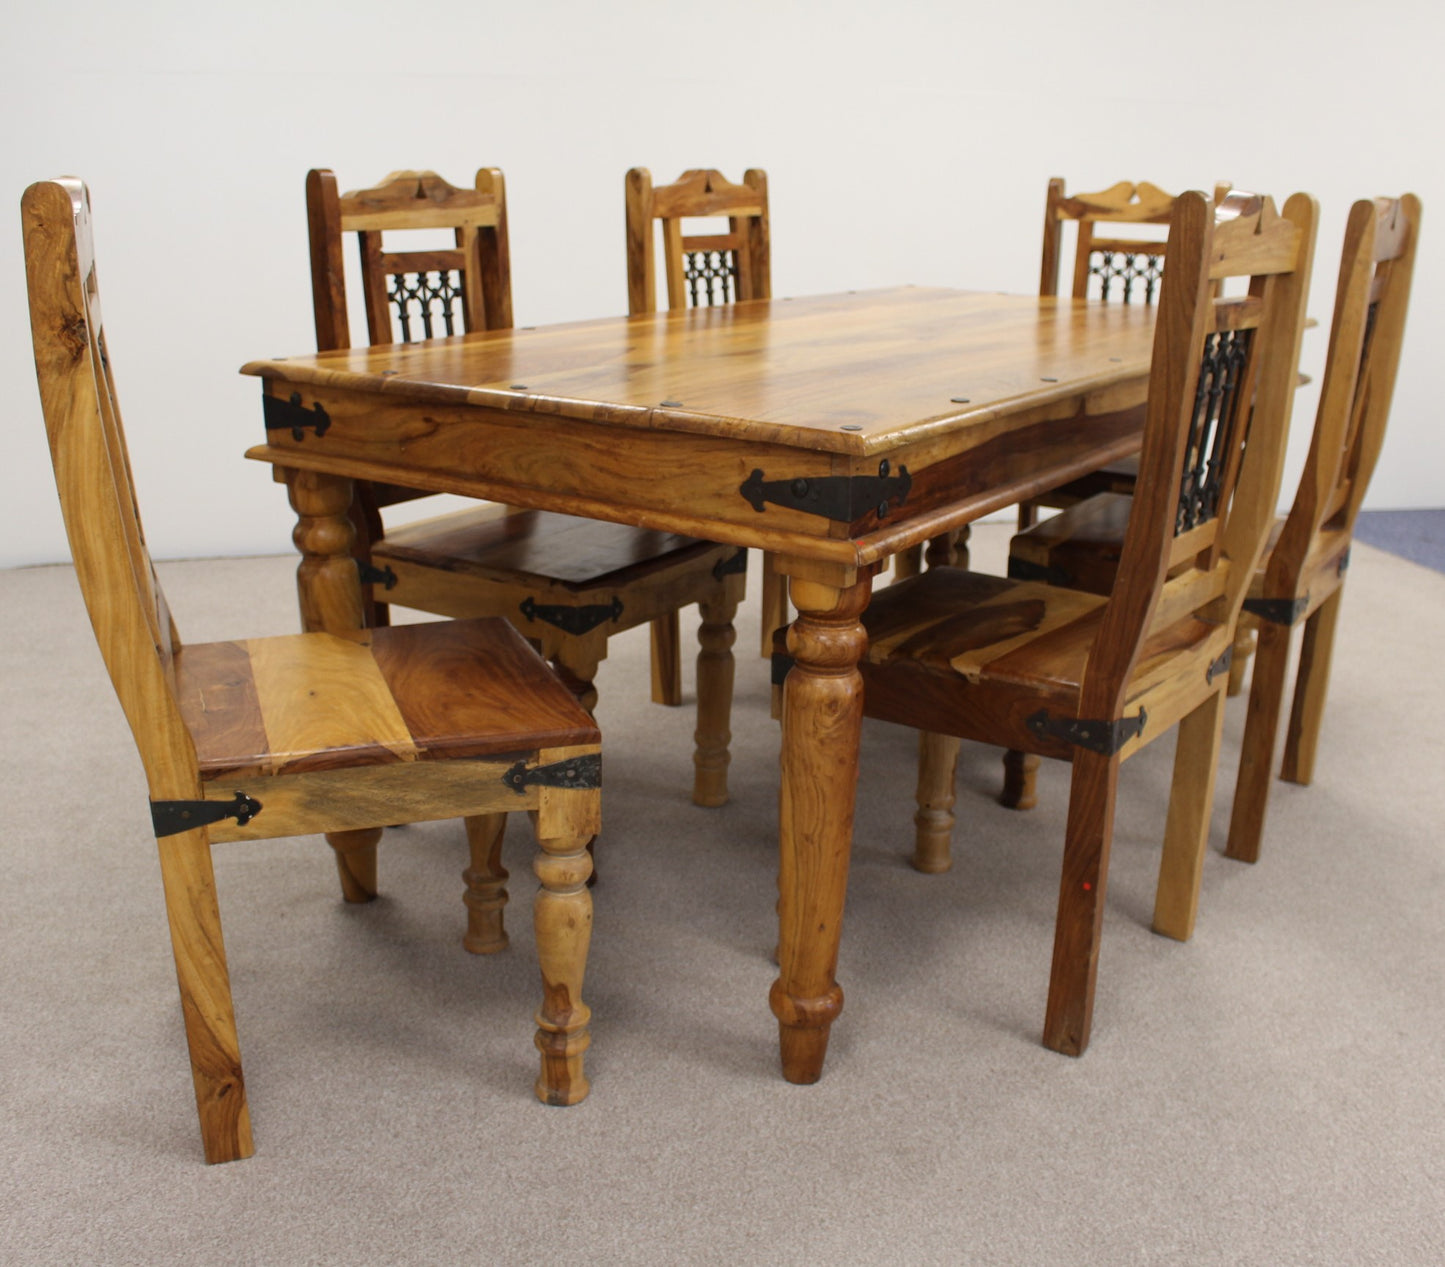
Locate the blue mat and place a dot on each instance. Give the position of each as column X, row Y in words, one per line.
column 1417, row 535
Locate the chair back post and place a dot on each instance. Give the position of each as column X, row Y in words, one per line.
column 699, row 193
column 128, row 610
column 1208, row 556
column 1371, row 300
column 1122, row 203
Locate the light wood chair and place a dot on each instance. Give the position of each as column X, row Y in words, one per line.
column 309, row 733
column 1067, row 674
column 567, row 583
column 1302, row 577
column 702, row 270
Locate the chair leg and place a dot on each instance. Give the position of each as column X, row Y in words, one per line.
column 206, row 1005
column 486, row 879
column 1186, row 832
column 775, row 603
column 1020, row 780
column 562, row 920
column 356, row 862
column 1244, row 639
column 667, row 660
column 576, row 661
column 907, row 563
column 1256, row 756
column 1087, row 838
column 1312, row 683
column 715, row 636
column 933, row 823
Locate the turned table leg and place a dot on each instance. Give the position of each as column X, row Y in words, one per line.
column 328, row 582
column 822, row 722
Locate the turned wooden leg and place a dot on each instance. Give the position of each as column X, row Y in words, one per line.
column 328, row 583
column 1312, row 683
column 356, row 862
column 1256, row 756
column 775, row 603
column 576, row 661
column 960, row 546
column 1244, row 638
column 667, row 660
column 822, row 721
column 486, row 881
column 715, row 636
column 1020, row 780
column 206, row 1006
column 562, row 918
column 943, row 549
column 1186, row 832
column 1080, row 919
column 933, row 837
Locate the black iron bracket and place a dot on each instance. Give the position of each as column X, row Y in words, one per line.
column 171, row 817
column 730, row 567
column 572, row 620
column 576, row 772
column 1219, row 666
column 373, row 575
column 1278, row 611
column 288, row 415
column 1344, row 564
column 1103, row 737
column 841, row 498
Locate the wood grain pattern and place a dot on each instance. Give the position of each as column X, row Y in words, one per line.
column 338, row 733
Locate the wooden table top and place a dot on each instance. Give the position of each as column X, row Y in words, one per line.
column 859, row 374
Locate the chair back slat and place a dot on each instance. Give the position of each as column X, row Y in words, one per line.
column 419, row 293
column 1366, row 332
column 127, row 606
column 1221, row 384
column 701, row 269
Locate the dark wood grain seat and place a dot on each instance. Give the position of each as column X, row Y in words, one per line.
column 307, row 733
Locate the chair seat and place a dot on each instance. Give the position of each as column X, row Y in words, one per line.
column 967, row 654
column 1118, row 476
column 542, row 547
column 1078, row 548
column 410, row 693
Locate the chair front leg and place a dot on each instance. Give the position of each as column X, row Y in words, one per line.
column 1256, row 755
column 715, row 666
column 933, row 822
column 1186, row 832
column 356, row 862
column 666, row 638
column 206, row 1005
column 1087, row 838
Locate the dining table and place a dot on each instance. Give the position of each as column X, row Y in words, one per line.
column 830, row 431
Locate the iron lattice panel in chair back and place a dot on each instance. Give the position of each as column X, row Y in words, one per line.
column 432, row 298
column 712, row 276
column 1214, row 429
column 1134, row 271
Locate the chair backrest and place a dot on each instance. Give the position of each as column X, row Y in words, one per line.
column 1221, row 385
column 128, row 610
column 701, row 268
column 1371, row 300
column 1126, row 268
column 419, row 293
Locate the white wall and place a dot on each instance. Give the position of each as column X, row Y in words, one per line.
column 905, row 142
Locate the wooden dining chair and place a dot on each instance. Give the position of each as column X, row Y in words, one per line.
column 1300, row 578
column 703, row 270
column 1073, row 675
column 312, row 733
column 567, row 583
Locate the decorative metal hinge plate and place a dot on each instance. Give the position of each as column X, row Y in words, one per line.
column 1219, row 666
column 572, row 620
column 1344, row 563
column 288, row 415
column 841, row 498
column 373, row 575
column 171, row 817
column 1103, row 737
column 728, row 567
column 1278, row 611
column 576, row 772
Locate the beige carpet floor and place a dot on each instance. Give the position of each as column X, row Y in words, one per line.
column 1272, row 1092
